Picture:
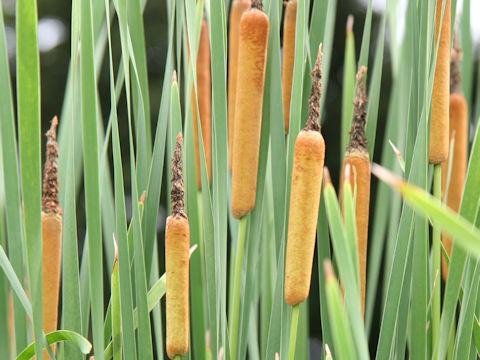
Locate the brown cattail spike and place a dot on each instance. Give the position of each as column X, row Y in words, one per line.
column 50, row 203
column 288, row 58
column 177, row 255
column 51, row 234
column 307, row 173
column 438, row 147
column 237, row 9
column 357, row 132
column 356, row 170
column 251, row 62
column 315, row 94
column 178, row 191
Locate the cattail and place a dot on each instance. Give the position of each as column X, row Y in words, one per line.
column 238, row 8
column 308, row 159
column 288, row 58
column 459, row 136
column 252, row 60
column 177, row 245
column 438, row 148
column 204, row 88
column 51, row 234
column 358, row 159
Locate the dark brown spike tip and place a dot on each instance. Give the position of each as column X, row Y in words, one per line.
column 257, row 4
column 177, row 180
column 50, row 203
column 358, row 140
column 313, row 122
column 455, row 59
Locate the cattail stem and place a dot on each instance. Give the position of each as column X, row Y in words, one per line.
column 293, row 332
column 437, row 238
column 235, row 297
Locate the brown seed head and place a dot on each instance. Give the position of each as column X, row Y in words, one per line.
column 315, row 94
column 177, row 192
column 257, row 4
column 50, row 203
column 357, row 132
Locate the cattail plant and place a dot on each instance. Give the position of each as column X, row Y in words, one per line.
column 177, row 245
column 252, row 60
column 238, row 8
column 289, row 25
column 308, row 159
column 452, row 190
column 358, row 159
column 204, row 95
column 51, row 234
column 439, row 130
column 251, row 66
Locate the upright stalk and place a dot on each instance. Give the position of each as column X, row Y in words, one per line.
column 293, row 332
column 437, row 236
column 237, row 280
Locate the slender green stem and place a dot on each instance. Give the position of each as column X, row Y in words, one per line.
column 437, row 192
column 293, row 332
column 236, row 287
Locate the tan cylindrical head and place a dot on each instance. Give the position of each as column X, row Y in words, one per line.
column 308, row 160
column 177, row 244
column 238, row 8
column 252, row 60
column 204, row 86
column 439, row 142
column 288, row 57
column 359, row 162
column 52, row 262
